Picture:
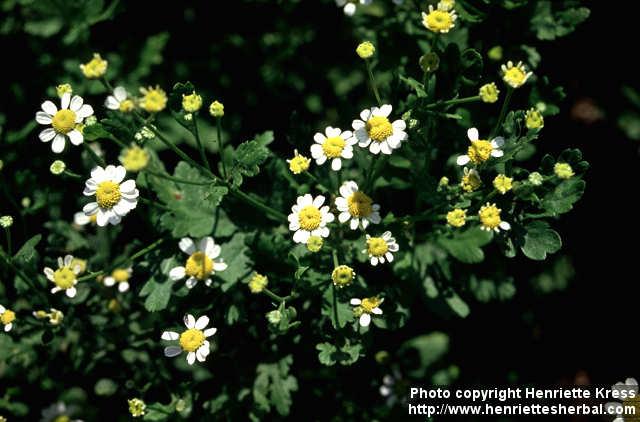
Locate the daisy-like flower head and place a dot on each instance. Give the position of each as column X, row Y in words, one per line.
column 533, row 119
column 153, row 100
column 356, row 206
column 63, row 89
column 193, row 340
column 314, row 244
column 446, row 4
column 65, row 277
column 349, row 6
column 82, row 219
column 54, row 316
column 335, row 146
column 380, row 248
column 515, row 76
column 628, row 393
column 59, row 412
column 563, row 170
column 7, row 316
column 490, row 218
column 216, row 109
column 137, row 407
column 365, row 50
column 502, row 183
column 114, row 198
column 119, row 100
column 94, row 68
column 201, row 263
column 342, row 275
column 119, row 276
column 489, row 93
column 457, row 217
column 480, row 150
column 64, row 122
column 258, row 282
column 298, row 163
column 376, row 131
column 364, row 308
column 440, row 19
column 134, row 158
column 192, row 102
column 309, row 218
column 470, row 180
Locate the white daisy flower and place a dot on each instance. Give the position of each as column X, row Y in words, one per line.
column 201, row 264
column 64, row 121
column 119, row 100
column 120, row 276
column 193, row 340
column 59, row 412
column 628, row 393
column 82, row 219
column 380, row 248
column 366, row 307
column 335, row 146
column 356, row 206
column 480, row 150
column 7, row 316
column 65, row 277
column 114, row 198
column 376, row 131
column 309, row 218
column 349, row 6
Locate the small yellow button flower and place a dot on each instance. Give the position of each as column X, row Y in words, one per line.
column 439, row 20
column 457, row 217
column 444, row 181
column 446, row 4
column 94, row 68
column 342, row 275
column 298, row 163
column 535, row 179
column 365, row 50
column 314, row 244
column 137, row 407
column 533, row 119
column 515, row 76
column 490, row 218
column 470, row 180
column 489, row 93
column 153, row 100
column 216, row 109
column 563, row 170
column 7, row 316
column 63, row 89
column 258, row 282
column 502, row 183
column 192, row 102
column 134, row 158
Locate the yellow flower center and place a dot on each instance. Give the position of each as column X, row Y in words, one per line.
column 134, row 158
column 502, row 183
column 154, row 100
column 369, row 303
column 438, row 20
column 470, row 182
column 489, row 93
column 479, row 151
column 257, row 283
column 490, row 216
column 342, row 275
column 359, row 204
column 457, row 217
column 199, row 265
column 64, row 278
column 309, row 218
column 377, row 246
column 563, row 170
column 314, row 244
column 64, row 121
column 298, row 164
column 379, row 128
column 514, row 76
column 191, row 103
column 7, row 317
column 120, row 275
column 95, row 68
column 333, row 147
column 191, row 339
column 108, row 194
column 62, row 418
column 126, row 106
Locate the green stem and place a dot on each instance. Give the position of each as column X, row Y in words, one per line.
column 98, row 160
column 71, row 174
column 274, row 296
column 334, row 254
column 272, row 212
column 7, row 232
column 503, row 112
column 118, row 141
column 374, row 87
column 203, row 154
column 454, row 101
column 221, row 146
column 176, row 179
column 9, row 262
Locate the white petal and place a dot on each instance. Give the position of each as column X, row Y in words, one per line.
column 123, row 287
column 75, row 137
column 354, row 224
column 118, row 175
column 301, row 236
column 497, row 153
column 71, row 292
column 319, row 138
column 365, row 114
column 473, row 134
column 355, row 301
column 318, row 201
column 385, row 110
column 176, row 273
column 102, row 218
column 316, row 151
column 76, row 103
column 399, row 125
column 172, row 351
column 332, row 132
column 47, row 134
column 497, row 142
column 187, row 245
column 49, row 107
column 365, row 320
column 462, row 160
column 202, row 322
column 90, row 209
column 98, row 174
column 344, row 217
column 201, row 355
column 191, row 358
column 374, row 148
column 170, row 335
column 111, row 103
column 189, row 321
column 109, row 281
column 505, row 226
column 43, row 118
column 377, row 311
column 57, row 145
column 191, row 282
column 210, row 331
column 206, row 245
column 357, row 124
column 120, row 93
column 85, row 111
column 336, row 164
column 219, row 266
column 384, row 148
column 65, row 100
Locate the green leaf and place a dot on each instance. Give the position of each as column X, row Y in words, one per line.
column 105, row 387
column 466, row 246
column 429, row 347
column 549, row 24
column 158, row 294
column 238, row 263
column 94, row 132
column 329, row 355
column 27, row 252
column 247, row 158
column 540, row 240
column 561, row 199
column 274, row 385
column 415, row 85
column 458, row 305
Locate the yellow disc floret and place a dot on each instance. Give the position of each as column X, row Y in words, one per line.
column 479, row 151
column 95, row 68
column 515, row 76
column 298, row 163
column 258, row 282
column 7, row 317
column 192, row 102
column 489, row 93
column 153, row 99
column 379, row 128
column 216, row 109
column 533, row 119
column 64, row 121
column 108, row 194
column 314, row 244
column 490, row 216
column 126, row 106
column 309, row 218
column 502, row 183
column 199, row 265
column 191, row 339
column 365, row 50
column 369, row 304
column 120, row 275
column 438, row 20
column 64, row 278
column 333, row 147
column 342, row 275
column 134, row 158
column 377, row 246
column 457, row 217
column 563, row 170
column 63, row 89
column 360, row 205
column 470, row 181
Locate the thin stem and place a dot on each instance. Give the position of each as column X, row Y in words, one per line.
column 7, row 232
column 203, row 154
column 374, row 87
column 454, row 101
column 334, row 254
column 274, row 296
column 503, row 112
column 277, row 215
column 71, row 174
column 117, row 141
column 176, row 179
column 97, row 159
column 221, row 146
